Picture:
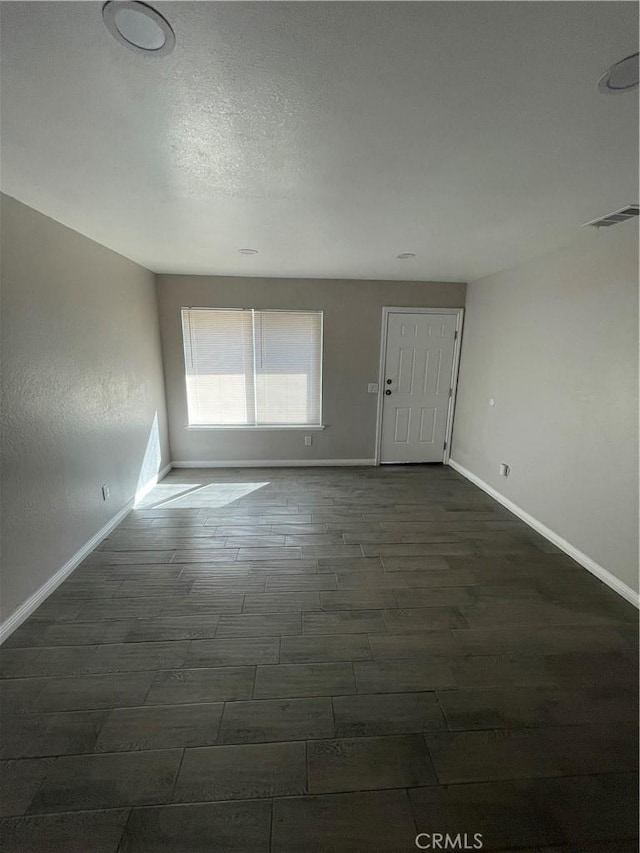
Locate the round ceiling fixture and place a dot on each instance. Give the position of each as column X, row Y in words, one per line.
column 248, row 251
column 404, row 255
column 138, row 27
column 621, row 77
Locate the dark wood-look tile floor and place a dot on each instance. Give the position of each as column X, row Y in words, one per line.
column 321, row 660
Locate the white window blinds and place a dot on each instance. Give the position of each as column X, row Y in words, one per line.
column 253, row 368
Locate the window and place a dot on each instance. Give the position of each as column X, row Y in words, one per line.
column 253, row 368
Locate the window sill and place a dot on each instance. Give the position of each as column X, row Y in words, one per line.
column 307, row 428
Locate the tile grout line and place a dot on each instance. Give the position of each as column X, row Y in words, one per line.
column 139, row 807
column 175, row 781
column 458, row 783
column 271, row 827
column 444, row 713
column 220, row 726
column 124, row 830
column 333, row 714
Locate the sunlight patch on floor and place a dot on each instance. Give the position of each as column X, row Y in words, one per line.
column 195, row 495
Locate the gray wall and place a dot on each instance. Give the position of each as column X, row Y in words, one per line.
column 82, row 393
column 555, row 343
column 352, row 318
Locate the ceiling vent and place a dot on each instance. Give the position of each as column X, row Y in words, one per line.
column 614, row 218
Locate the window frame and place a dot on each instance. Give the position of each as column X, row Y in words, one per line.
column 267, row 427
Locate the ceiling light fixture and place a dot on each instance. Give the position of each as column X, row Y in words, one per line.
column 138, row 27
column 403, row 256
column 621, row 77
column 248, row 251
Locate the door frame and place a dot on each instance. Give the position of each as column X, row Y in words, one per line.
column 459, row 312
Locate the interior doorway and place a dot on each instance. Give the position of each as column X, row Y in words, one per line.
column 418, row 373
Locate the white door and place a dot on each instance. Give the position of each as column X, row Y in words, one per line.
column 416, row 386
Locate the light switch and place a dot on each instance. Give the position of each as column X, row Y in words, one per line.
column 372, row 388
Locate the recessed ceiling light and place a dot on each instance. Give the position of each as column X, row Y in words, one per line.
column 404, row 255
column 139, row 27
column 621, row 77
column 248, row 251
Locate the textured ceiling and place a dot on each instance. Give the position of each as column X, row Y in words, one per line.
column 330, row 136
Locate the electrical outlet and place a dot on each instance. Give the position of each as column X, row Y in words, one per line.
column 504, row 470
column 372, row 388
column 106, row 492
column 308, row 440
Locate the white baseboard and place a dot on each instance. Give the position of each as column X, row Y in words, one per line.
column 277, row 463
column 34, row 601
column 595, row 568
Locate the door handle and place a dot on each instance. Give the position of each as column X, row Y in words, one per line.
column 387, row 392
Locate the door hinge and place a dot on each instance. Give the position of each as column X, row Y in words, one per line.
column 455, row 335
column 445, row 445
column 451, row 392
